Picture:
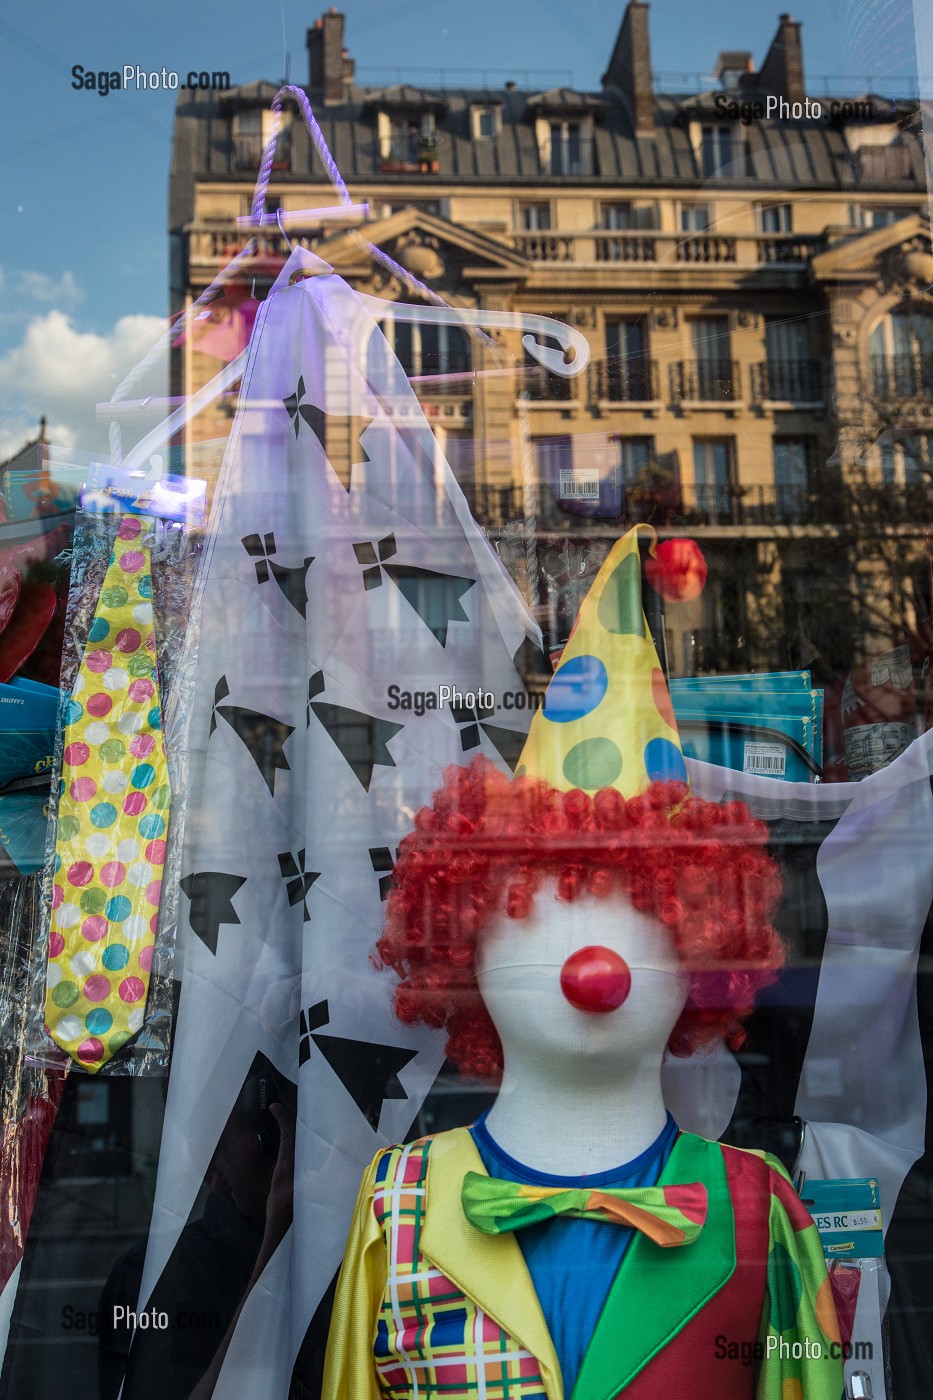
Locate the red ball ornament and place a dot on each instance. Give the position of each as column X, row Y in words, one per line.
column 677, row 571
column 595, row 979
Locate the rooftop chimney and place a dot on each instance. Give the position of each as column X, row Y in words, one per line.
column 781, row 73
column 330, row 68
column 630, row 67
column 732, row 66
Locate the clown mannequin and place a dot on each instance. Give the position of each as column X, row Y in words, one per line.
column 569, row 929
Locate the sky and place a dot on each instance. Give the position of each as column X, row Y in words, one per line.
column 84, row 182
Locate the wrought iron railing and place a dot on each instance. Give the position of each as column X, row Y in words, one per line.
column 658, row 497
column 542, row 386
column 902, row 376
column 623, row 381
column 704, row 381
column 788, row 381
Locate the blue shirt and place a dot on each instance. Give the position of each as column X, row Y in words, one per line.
column 572, row 1263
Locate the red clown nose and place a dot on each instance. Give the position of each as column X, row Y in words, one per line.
column 595, row 979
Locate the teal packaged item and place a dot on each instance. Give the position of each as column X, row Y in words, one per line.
column 28, row 715
column 754, row 681
column 773, row 745
column 847, row 1213
column 769, row 723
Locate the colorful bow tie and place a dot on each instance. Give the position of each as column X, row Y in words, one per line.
column 112, row 819
column 668, row 1215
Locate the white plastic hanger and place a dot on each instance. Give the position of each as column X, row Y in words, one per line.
column 145, row 458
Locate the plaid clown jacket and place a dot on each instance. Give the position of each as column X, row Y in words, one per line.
column 429, row 1307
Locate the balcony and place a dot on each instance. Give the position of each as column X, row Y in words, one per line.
column 408, row 155
column 789, row 247
column 656, row 496
column 695, row 504
column 705, row 381
column 497, row 505
column 626, row 247
column 705, row 248
column 540, row 386
column 641, row 247
column 902, row 376
column 788, row 381
column 620, row 381
column 545, row 247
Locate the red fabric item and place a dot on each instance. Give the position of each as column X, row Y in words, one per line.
column 26, row 628
column 23, row 1146
column 691, row 1365
column 844, row 1280
column 677, row 571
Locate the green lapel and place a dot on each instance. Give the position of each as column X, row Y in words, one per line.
column 657, row 1291
column 489, row 1269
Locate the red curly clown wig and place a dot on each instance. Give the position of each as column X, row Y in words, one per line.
column 487, row 843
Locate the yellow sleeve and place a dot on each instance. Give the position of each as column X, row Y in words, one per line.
column 349, row 1368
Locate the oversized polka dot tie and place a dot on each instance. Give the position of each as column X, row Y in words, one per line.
column 112, row 818
column 607, row 719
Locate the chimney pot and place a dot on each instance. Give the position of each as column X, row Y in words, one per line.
column 630, row 67
column 330, row 68
column 781, row 74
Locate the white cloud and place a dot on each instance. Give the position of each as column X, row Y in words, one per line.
column 63, row 372
column 39, row 286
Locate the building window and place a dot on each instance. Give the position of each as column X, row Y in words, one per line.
column 909, row 461
column 636, row 455
column 901, row 354
column 407, row 139
column 877, row 215
column 711, row 368
column 791, row 374
column 792, row 458
column 884, row 162
column 485, row 123
column 252, row 128
column 420, row 349
column 534, row 217
column 569, row 149
column 696, row 218
column 775, row 218
column 273, row 204
column 712, row 476
column 720, row 151
column 623, row 215
column 627, row 377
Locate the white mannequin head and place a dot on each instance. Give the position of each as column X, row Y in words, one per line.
column 519, row 966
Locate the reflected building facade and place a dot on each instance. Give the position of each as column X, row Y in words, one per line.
column 750, row 265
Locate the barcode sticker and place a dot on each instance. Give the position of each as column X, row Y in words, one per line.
column 764, row 758
column 578, row 485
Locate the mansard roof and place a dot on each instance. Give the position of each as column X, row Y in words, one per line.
column 804, row 154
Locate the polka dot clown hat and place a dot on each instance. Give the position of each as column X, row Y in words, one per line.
column 607, row 719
